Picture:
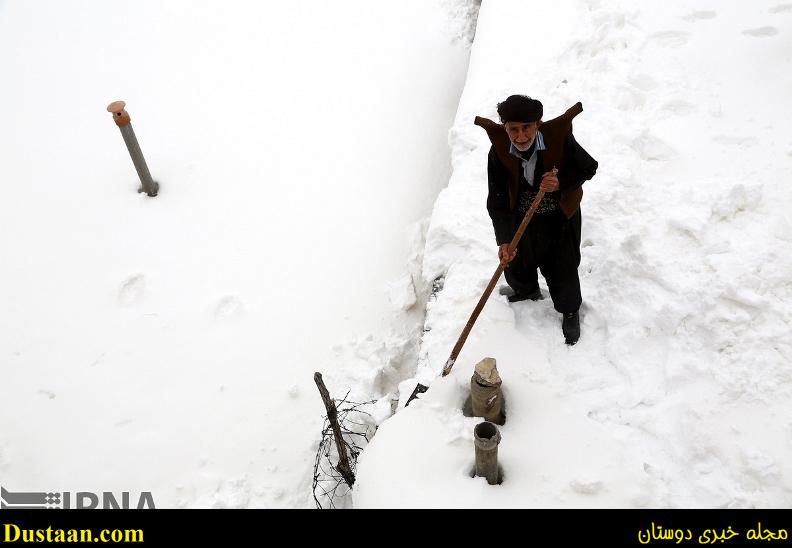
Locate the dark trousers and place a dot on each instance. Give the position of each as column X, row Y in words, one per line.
column 551, row 243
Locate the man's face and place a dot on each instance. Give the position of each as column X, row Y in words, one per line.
column 522, row 134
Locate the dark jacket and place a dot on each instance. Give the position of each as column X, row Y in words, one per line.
column 577, row 167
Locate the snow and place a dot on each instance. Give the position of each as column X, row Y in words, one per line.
column 678, row 393
column 168, row 344
column 316, row 213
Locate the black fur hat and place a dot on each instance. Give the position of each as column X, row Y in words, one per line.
column 520, row 108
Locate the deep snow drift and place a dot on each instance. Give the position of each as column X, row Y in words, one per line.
column 168, row 344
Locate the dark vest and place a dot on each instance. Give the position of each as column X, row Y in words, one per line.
column 555, row 132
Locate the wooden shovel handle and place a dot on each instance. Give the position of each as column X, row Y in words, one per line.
column 491, row 285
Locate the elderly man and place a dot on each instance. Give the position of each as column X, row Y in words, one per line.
column 551, row 242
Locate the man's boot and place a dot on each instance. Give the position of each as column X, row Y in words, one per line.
column 571, row 327
column 518, row 296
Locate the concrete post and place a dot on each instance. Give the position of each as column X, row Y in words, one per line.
column 486, row 438
column 122, row 120
column 485, row 392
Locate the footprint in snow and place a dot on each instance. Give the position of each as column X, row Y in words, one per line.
column 699, row 15
column 671, row 38
column 781, row 8
column 228, row 307
column 131, row 289
column 761, row 32
column 644, row 82
column 652, row 148
column 735, row 140
column 629, row 98
column 678, row 107
column 586, row 487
